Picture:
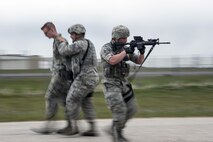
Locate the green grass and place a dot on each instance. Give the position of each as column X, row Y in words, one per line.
column 163, row 96
column 133, row 68
column 26, row 71
column 175, row 102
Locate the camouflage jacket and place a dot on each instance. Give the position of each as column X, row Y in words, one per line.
column 57, row 60
column 118, row 71
column 76, row 51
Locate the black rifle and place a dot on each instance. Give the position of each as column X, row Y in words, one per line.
column 138, row 40
column 140, row 44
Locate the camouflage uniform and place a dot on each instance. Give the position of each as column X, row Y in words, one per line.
column 85, row 76
column 58, row 86
column 118, row 91
column 56, row 91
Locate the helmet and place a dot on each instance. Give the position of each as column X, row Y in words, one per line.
column 77, row 28
column 120, row 32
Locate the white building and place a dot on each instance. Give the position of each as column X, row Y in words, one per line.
column 17, row 61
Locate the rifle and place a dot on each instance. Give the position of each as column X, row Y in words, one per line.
column 140, row 44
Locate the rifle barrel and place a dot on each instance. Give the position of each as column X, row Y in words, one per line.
column 164, row 43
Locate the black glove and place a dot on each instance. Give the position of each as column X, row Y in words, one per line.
column 133, row 44
column 129, row 49
column 142, row 49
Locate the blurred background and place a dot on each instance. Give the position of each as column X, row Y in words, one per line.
column 19, row 61
column 187, row 24
column 175, row 81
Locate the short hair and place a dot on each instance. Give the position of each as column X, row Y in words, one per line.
column 48, row 25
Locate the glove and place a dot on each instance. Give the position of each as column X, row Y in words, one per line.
column 133, row 44
column 129, row 49
column 142, row 49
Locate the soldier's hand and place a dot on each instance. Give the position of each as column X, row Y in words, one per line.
column 60, row 39
column 142, row 49
column 129, row 49
column 133, row 44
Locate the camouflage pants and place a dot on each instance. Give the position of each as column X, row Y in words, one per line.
column 119, row 97
column 79, row 96
column 55, row 94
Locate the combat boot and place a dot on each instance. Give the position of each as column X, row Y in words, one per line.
column 92, row 131
column 71, row 130
column 46, row 129
column 123, row 139
column 117, row 135
column 67, row 128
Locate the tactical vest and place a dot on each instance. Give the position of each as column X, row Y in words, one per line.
column 119, row 70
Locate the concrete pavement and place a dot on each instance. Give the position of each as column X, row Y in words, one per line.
column 198, row 129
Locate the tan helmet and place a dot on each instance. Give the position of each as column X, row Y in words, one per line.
column 120, row 32
column 77, row 28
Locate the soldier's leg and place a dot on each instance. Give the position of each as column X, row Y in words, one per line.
column 129, row 99
column 52, row 97
column 131, row 108
column 73, row 105
column 115, row 102
column 90, row 81
column 68, row 126
column 65, row 86
column 89, row 113
column 50, row 108
column 56, row 93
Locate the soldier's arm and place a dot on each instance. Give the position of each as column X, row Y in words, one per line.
column 112, row 59
column 138, row 59
column 115, row 59
column 69, row 50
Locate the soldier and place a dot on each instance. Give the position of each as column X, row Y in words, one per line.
column 59, row 84
column 118, row 91
column 83, row 65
